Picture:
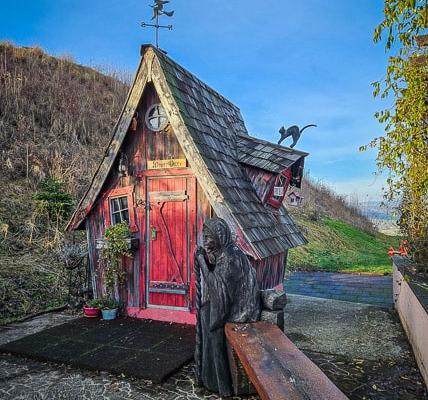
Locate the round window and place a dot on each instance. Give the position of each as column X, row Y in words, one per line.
column 156, row 119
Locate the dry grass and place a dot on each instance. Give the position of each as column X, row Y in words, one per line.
column 321, row 201
column 56, row 119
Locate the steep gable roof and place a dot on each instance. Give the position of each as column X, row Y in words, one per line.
column 212, row 134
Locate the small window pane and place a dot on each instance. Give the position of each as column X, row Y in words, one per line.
column 123, row 203
column 278, row 191
column 125, row 215
column 116, row 219
column 282, row 181
column 114, row 205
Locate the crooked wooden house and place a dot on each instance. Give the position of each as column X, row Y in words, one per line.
column 179, row 155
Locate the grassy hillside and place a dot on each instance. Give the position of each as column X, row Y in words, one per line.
column 340, row 237
column 56, row 118
column 335, row 246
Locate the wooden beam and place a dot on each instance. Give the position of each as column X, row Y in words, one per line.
column 276, row 367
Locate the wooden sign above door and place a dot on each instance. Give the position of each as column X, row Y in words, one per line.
column 165, row 164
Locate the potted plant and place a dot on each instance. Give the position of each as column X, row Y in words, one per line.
column 92, row 308
column 115, row 246
column 108, row 307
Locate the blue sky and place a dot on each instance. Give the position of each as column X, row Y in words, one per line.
column 281, row 62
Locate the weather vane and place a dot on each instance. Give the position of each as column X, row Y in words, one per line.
column 158, row 10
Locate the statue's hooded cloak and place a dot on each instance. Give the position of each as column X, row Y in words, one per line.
column 233, row 290
column 233, row 296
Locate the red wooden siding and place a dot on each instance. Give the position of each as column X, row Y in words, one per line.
column 270, row 271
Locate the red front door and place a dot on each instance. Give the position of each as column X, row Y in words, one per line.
column 168, row 242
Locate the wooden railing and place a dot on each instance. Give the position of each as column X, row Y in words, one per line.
column 276, row 367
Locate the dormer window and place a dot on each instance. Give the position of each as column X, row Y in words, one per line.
column 279, row 189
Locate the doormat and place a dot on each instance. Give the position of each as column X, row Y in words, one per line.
column 143, row 349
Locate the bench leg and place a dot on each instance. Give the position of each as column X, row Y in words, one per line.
column 242, row 384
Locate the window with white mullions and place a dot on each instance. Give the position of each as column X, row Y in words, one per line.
column 279, row 189
column 119, row 209
column 119, row 206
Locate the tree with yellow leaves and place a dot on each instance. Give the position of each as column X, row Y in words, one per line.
column 403, row 150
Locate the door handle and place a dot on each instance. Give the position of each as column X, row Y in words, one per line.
column 153, row 232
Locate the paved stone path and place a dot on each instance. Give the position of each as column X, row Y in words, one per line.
column 26, row 379
column 367, row 289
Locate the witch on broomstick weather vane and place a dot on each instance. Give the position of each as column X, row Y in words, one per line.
column 158, row 10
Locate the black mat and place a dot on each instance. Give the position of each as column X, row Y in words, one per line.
column 142, row 349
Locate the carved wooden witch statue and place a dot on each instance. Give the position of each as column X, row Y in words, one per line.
column 229, row 293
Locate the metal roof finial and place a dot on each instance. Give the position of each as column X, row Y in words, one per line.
column 158, row 10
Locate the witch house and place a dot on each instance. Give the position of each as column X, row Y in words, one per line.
column 179, row 155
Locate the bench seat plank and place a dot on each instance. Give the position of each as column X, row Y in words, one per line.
column 276, row 367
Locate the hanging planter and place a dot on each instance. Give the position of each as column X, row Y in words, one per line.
column 132, row 242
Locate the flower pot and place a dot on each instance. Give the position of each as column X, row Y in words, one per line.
column 109, row 313
column 91, row 311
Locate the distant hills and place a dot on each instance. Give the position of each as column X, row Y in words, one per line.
column 383, row 217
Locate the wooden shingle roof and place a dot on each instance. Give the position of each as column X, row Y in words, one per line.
column 271, row 157
column 266, row 155
column 213, row 136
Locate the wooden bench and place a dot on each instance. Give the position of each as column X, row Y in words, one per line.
column 276, row 367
